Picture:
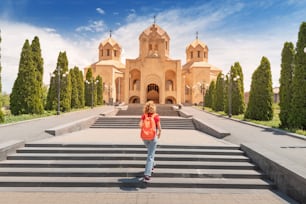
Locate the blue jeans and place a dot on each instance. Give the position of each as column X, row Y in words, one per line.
column 151, row 146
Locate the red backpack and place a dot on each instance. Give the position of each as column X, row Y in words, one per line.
column 148, row 130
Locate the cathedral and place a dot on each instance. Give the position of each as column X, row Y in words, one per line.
column 153, row 75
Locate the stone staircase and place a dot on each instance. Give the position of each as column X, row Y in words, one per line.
column 137, row 110
column 101, row 165
column 133, row 122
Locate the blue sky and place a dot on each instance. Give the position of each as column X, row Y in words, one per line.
column 234, row 30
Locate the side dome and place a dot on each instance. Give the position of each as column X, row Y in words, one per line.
column 109, row 49
column 197, row 51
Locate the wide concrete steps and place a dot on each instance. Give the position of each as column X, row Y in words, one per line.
column 137, row 109
column 100, row 165
column 131, row 182
column 127, row 156
column 130, row 172
column 133, row 122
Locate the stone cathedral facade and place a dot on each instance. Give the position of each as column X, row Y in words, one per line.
column 153, row 75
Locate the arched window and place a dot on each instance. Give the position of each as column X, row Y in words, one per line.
column 169, row 85
column 108, row 52
column 191, row 55
column 199, row 54
column 156, row 47
column 152, row 87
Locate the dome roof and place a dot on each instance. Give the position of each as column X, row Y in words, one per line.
column 109, row 40
column 197, row 42
column 154, row 28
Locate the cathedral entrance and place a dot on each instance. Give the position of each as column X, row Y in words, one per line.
column 134, row 99
column 153, row 93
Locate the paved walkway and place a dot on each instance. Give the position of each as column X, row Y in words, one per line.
column 33, row 130
column 256, row 197
column 281, row 147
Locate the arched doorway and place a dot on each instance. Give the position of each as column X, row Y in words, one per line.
column 170, row 100
column 134, row 99
column 153, row 93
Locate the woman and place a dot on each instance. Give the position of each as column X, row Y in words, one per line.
column 150, row 132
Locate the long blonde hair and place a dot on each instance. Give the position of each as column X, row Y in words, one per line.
column 149, row 107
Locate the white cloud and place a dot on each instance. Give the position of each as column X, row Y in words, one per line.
column 225, row 48
column 93, row 26
column 131, row 16
column 181, row 25
column 13, row 37
column 100, row 11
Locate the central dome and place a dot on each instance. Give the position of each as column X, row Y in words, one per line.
column 154, row 28
column 154, row 42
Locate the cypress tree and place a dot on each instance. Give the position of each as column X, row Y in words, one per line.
column 298, row 111
column 99, row 90
column 260, row 101
column 238, row 105
column 88, row 88
column 77, row 83
column 95, row 91
column 236, row 89
column 211, row 92
column 226, row 93
column 22, row 99
column 74, row 74
column 1, row 113
column 0, row 69
column 65, row 82
column 38, row 66
column 81, row 89
column 285, row 90
column 219, row 95
column 51, row 102
column 65, row 86
column 206, row 98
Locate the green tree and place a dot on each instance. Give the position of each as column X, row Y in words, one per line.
column 5, row 99
column 23, row 99
column 81, row 89
column 51, row 102
column 88, row 88
column 219, row 94
column 45, row 94
column 0, row 69
column 1, row 113
column 38, row 66
column 210, row 94
column 238, row 105
column 234, row 91
column 74, row 75
column 99, row 90
column 298, row 111
column 77, row 82
column 285, row 90
column 207, row 99
column 64, row 86
column 260, row 101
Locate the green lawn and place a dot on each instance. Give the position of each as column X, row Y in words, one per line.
column 274, row 123
column 9, row 118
